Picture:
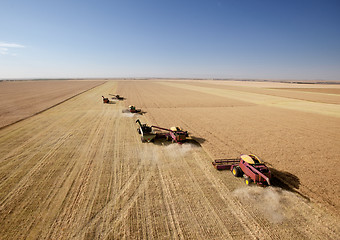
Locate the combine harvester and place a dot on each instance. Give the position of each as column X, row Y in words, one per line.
column 105, row 100
column 175, row 134
column 116, row 96
column 132, row 109
column 248, row 166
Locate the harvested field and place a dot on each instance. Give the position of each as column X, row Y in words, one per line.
column 21, row 99
column 317, row 90
column 80, row 171
column 261, row 95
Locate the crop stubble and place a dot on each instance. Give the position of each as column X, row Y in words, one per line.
column 79, row 170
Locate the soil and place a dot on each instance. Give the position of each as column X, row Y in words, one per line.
column 80, row 171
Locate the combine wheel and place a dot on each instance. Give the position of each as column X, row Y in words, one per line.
column 138, row 130
column 237, row 171
column 248, row 181
column 143, row 140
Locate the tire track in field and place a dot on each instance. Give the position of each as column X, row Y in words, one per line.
column 39, row 168
column 81, row 176
column 128, row 186
column 44, row 161
column 54, row 198
column 30, row 142
column 23, row 157
column 122, row 213
column 11, row 158
column 171, row 209
column 130, row 182
column 127, row 197
column 27, row 179
column 75, row 167
column 225, row 225
column 37, row 140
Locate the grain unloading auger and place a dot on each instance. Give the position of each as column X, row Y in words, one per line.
column 175, row 134
column 248, row 166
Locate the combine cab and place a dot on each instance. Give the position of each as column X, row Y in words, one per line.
column 248, row 166
column 147, row 135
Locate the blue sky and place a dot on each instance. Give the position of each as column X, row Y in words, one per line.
column 288, row 39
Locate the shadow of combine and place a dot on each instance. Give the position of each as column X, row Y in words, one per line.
column 286, row 181
column 117, row 97
column 162, row 141
column 196, row 140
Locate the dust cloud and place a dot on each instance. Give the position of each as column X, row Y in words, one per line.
column 271, row 201
column 128, row 114
column 177, row 150
column 150, row 154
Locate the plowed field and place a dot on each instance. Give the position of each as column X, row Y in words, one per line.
column 80, row 171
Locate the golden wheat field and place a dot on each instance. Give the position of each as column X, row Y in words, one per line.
column 75, row 168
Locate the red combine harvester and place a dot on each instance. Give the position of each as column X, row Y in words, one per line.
column 132, row 109
column 105, row 100
column 248, row 166
column 175, row 134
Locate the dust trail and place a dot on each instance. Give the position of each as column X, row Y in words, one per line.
column 150, row 154
column 271, row 201
column 153, row 154
column 129, row 115
column 177, row 150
